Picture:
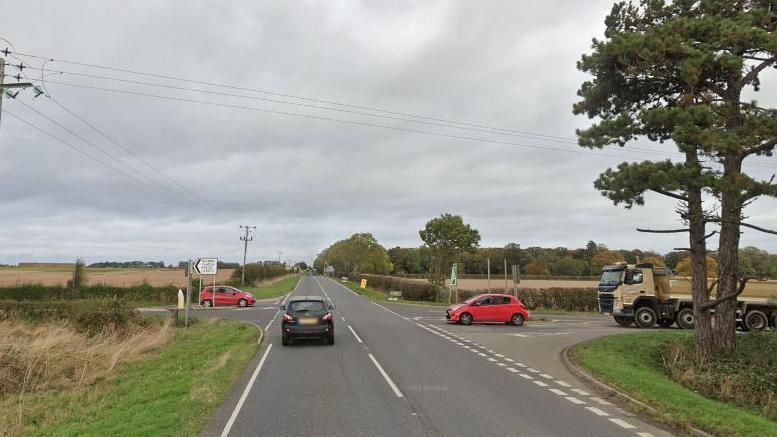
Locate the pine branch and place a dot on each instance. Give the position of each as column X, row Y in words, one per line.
column 763, row 147
column 670, row 194
column 663, row 231
column 757, row 69
column 758, row 228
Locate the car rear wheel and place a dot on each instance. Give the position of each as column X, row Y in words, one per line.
column 624, row 321
column 242, row 303
column 645, row 317
column 207, row 304
column 755, row 320
column 516, row 320
column 685, row 318
column 465, row 319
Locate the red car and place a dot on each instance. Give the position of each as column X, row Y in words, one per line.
column 489, row 308
column 225, row 296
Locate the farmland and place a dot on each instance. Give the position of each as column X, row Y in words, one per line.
column 111, row 276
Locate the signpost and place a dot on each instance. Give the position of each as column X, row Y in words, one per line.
column 516, row 278
column 454, row 282
column 208, row 266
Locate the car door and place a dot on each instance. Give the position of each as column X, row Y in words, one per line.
column 484, row 311
column 502, row 308
column 221, row 296
column 231, row 295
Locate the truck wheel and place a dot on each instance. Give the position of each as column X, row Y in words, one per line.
column 685, row 318
column 624, row 321
column 645, row 318
column 665, row 323
column 755, row 320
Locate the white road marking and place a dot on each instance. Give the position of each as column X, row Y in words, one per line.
column 558, row 392
column 501, row 364
column 386, row 377
column 645, row 434
column 622, row 423
column 482, row 354
column 513, row 370
column 354, row 334
column 493, row 360
column 581, row 392
column 601, row 401
column 575, row 400
column 509, row 359
column 499, row 355
column 243, row 397
column 525, row 376
column 392, row 312
column 521, row 365
column 597, row 411
column 540, row 383
column 533, row 370
column 546, row 376
column 562, row 383
column 342, row 318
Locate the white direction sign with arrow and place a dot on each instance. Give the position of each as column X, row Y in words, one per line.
column 206, row 266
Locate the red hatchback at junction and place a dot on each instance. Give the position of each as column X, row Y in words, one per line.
column 488, row 308
column 225, row 296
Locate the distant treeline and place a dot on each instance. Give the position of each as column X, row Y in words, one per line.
column 128, row 265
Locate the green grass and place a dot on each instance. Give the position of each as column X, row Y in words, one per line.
column 274, row 290
column 172, row 392
column 634, row 364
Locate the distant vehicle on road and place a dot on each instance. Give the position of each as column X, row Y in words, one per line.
column 488, row 308
column 225, row 296
column 307, row 317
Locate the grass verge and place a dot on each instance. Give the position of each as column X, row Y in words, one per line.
column 275, row 289
column 173, row 391
column 634, row 363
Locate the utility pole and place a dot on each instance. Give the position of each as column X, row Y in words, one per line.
column 489, row 274
column 5, row 86
column 245, row 238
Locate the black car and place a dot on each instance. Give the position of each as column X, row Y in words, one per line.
column 307, row 317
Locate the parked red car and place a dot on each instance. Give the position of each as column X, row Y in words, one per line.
column 488, row 308
column 225, row 296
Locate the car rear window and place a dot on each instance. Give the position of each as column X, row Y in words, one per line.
column 306, row 306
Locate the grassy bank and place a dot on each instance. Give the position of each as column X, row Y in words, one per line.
column 274, row 289
column 638, row 364
column 162, row 389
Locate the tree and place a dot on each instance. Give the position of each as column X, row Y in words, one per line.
column 603, row 258
column 655, row 260
column 685, row 267
column 536, row 268
column 756, row 263
column 678, row 71
column 567, row 266
column 359, row 253
column 446, row 236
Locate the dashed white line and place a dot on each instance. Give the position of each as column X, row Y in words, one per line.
column 482, row 354
column 525, row 376
column 540, row 383
column 562, row 383
column 558, row 392
column 601, row 401
column 575, row 400
column 493, row 360
column 521, row 365
column 581, row 392
column 355, row 335
column 386, row 377
column 533, row 370
column 622, row 423
column 499, row 355
column 342, row 318
column 546, row 376
column 597, row 411
column 645, row 434
column 501, row 364
column 243, row 397
column 509, row 359
column 513, row 370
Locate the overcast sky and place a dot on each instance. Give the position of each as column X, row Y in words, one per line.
column 306, row 182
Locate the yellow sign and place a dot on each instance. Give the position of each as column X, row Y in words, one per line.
column 364, row 283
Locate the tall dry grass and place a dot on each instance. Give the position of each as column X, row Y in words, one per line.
column 56, row 356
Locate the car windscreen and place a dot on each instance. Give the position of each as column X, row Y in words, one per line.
column 306, row 306
column 471, row 299
column 611, row 277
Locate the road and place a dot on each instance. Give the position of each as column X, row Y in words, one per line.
column 401, row 370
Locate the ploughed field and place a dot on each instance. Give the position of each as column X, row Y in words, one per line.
column 110, row 276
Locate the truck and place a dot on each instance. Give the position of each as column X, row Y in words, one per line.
column 646, row 295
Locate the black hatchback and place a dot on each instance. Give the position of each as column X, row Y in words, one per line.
column 307, row 317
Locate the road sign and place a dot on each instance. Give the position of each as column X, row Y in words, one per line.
column 454, row 271
column 206, row 266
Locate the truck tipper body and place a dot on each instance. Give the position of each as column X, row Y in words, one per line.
column 646, row 295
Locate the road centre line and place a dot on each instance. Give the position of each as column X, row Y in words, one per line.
column 386, row 377
column 622, row 423
column 243, row 397
column 355, row 335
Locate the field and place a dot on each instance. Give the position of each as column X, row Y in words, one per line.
column 482, row 284
column 111, row 276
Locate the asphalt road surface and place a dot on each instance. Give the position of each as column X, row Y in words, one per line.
column 401, row 370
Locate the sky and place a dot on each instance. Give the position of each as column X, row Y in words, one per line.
column 307, row 176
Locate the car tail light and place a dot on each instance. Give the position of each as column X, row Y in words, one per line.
column 287, row 318
column 327, row 316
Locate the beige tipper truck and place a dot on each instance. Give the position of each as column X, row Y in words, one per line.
column 647, row 295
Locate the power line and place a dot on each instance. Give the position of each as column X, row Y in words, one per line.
column 93, row 158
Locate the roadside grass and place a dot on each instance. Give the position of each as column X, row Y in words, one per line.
column 275, row 289
column 635, row 363
column 172, row 391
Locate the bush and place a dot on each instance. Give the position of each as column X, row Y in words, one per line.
column 256, row 272
column 747, row 376
column 411, row 289
column 143, row 293
column 91, row 316
column 565, row 299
